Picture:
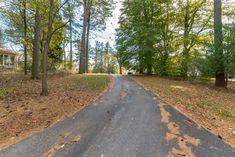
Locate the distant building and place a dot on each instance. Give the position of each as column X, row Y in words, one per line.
column 8, row 58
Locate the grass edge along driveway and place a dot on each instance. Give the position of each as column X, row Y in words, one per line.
column 24, row 112
column 212, row 108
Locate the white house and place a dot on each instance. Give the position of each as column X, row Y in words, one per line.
column 8, row 58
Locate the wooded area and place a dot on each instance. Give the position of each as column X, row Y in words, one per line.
column 176, row 38
column 173, row 38
column 44, row 29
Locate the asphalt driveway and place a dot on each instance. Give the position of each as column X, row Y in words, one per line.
column 127, row 121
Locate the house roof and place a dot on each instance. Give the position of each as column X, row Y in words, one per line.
column 8, row 51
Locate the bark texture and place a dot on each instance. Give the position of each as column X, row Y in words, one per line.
column 218, row 44
column 36, row 45
column 45, row 50
column 82, row 68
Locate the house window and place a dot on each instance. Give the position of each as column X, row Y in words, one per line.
column 1, row 59
column 12, row 60
column 6, row 60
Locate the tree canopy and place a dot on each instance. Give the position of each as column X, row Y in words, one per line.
column 175, row 38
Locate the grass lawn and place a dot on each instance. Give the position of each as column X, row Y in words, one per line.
column 23, row 111
column 212, row 108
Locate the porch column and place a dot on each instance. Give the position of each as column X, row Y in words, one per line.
column 16, row 60
column 9, row 60
column 3, row 61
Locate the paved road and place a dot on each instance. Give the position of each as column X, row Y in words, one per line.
column 127, row 121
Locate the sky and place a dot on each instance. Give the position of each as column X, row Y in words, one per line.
column 112, row 23
column 105, row 36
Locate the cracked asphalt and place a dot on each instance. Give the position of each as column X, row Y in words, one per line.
column 122, row 125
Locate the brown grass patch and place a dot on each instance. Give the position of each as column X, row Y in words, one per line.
column 23, row 111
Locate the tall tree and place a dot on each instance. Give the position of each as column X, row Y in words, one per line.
column 95, row 14
column 163, row 36
column 87, row 41
column 82, row 68
column 218, row 45
column 70, row 36
column 229, row 41
column 192, row 22
column 46, row 48
column 53, row 11
column 69, row 14
column 36, row 43
column 139, row 33
column 25, row 25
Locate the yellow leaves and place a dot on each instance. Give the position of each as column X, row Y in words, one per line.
column 25, row 43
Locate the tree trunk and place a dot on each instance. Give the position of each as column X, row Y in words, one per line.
column 87, row 42
column 83, row 42
column 45, row 50
column 149, row 69
column 141, row 71
column 220, row 80
column 25, row 37
column 71, row 38
column 96, row 54
column 120, row 68
column 141, row 68
column 227, row 79
column 164, row 65
column 149, row 61
column 36, row 45
column 185, row 63
column 218, row 44
column 65, row 67
column 186, row 56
